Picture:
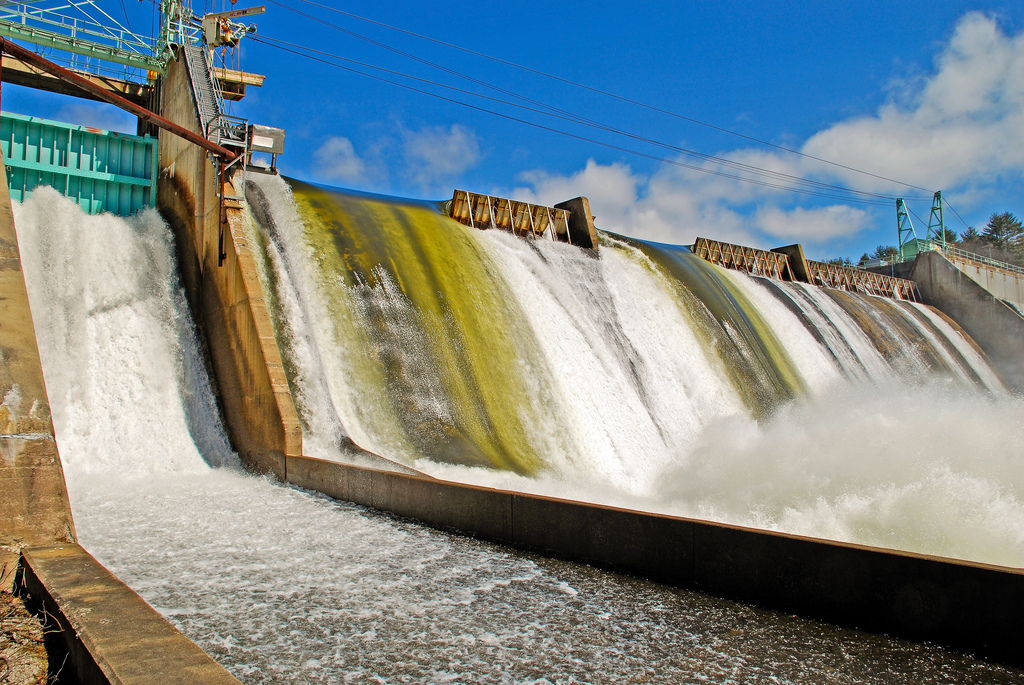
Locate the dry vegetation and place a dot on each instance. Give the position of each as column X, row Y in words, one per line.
column 22, row 648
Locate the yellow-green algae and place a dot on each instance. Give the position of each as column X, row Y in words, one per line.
column 752, row 357
column 466, row 328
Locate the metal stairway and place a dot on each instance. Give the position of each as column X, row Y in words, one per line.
column 200, row 75
column 218, row 127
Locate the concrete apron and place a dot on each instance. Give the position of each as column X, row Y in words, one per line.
column 112, row 635
column 967, row 606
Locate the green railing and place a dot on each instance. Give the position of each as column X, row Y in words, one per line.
column 102, row 171
column 912, row 248
column 68, row 27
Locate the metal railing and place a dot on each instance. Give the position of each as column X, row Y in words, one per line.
column 88, row 41
column 983, row 260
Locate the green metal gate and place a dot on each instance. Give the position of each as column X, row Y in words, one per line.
column 102, row 171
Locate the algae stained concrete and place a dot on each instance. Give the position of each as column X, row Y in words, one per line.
column 34, row 508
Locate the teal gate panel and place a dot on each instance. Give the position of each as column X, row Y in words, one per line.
column 102, row 171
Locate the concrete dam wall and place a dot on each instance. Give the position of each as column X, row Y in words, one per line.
column 220, row 278
column 396, row 284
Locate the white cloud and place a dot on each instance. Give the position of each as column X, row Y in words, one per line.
column 669, row 207
column 811, row 225
column 434, row 155
column 98, row 115
column 964, row 126
column 337, row 159
column 960, row 129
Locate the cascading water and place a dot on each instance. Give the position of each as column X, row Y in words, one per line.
column 286, row 587
column 641, row 377
column 123, row 371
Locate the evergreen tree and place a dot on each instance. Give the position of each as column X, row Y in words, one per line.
column 970, row 235
column 886, row 252
column 1004, row 231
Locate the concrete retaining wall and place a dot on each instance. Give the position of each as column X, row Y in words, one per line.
column 34, row 508
column 1006, row 285
column 967, row 606
column 112, row 635
column 225, row 294
column 996, row 327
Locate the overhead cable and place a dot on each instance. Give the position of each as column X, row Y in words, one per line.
column 880, row 200
column 739, row 166
column 944, row 200
column 575, row 84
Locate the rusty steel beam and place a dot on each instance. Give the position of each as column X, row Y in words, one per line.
column 858, row 280
column 753, row 261
column 520, row 218
column 29, row 57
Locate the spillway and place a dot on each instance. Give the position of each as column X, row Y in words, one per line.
column 284, row 586
column 641, row 377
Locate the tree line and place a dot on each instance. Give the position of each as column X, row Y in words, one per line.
column 1001, row 239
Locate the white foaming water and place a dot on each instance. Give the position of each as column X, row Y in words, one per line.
column 847, row 350
column 321, row 592
column 285, row 587
column 127, row 386
column 910, row 462
column 321, row 379
column 633, row 384
column 883, row 450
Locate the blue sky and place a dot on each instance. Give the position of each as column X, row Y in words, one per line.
column 930, row 94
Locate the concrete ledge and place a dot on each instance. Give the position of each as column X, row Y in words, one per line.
column 112, row 635
column 967, row 606
column 649, row 545
column 480, row 511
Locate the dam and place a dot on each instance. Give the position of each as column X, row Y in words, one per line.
column 634, row 465
column 284, row 586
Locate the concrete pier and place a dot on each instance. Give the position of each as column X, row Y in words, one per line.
column 582, row 231
column 224, row 291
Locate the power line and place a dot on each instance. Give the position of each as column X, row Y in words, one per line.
column 126, row 19
column 881, row 201
column 956, row 213
column 739, row 166
column 568, row 82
